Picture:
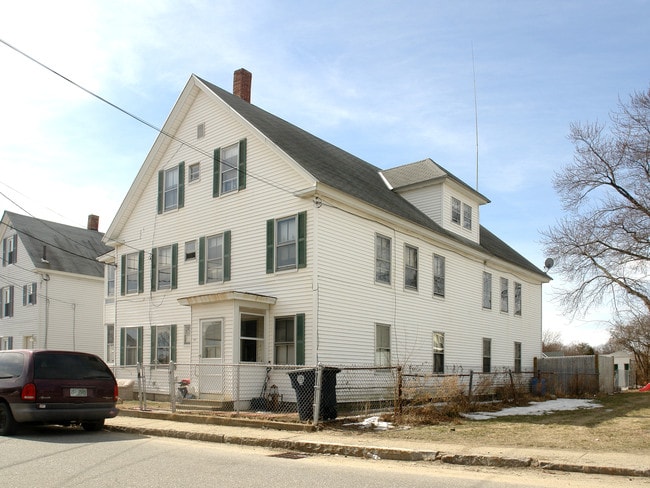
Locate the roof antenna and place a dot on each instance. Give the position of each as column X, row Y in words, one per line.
column 475, row 113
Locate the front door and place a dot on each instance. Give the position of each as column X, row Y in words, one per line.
column 211, row 358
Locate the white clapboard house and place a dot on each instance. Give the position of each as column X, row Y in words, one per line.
column 245, row 239
column 51, row 285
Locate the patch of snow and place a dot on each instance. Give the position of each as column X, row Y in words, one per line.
column 536, row 408
column 372, row 422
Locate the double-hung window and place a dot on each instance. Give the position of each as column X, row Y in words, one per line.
column 171, row 188
column 214, row 258
column 411, row 267
column 211, row 339
column 290, row 340
column 7, row 297
column 29, row 294
column 110, row 343
column 455, row 210
column 467, row 216
column 286, row 243
column 131, row 346
column 438, row 352
column 382, row 345
column 517, row 357
column 517, row 298
column 487, row 355
column 252, row 339
column 504, row 294
column 110, row 280
column 438, row 275
column 163, row 344
column 229, row 169
column 487, row 289
column 163, row 267
column 382, row 259
column 132, row 272
column 9, row 245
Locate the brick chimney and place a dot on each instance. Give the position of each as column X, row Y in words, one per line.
column 93, row 222
column 241, row 85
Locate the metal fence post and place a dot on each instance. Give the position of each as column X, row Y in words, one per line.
column 172, row 383
column 142, row 386
column 471, row 379
column 317, row 393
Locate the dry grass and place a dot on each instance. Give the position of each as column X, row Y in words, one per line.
column 621, row 425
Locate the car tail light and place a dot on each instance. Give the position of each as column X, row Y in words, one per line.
column 116, row 392
column 29, row 392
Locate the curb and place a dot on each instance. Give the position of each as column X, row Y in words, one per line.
column 378, row 453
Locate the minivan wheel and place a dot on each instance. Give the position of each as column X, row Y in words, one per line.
column 94, row 426
column 7, row 422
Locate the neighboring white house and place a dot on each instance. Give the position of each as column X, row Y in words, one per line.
column 245, row 239
column 51, row 285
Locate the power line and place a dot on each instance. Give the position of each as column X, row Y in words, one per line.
column 140, row 119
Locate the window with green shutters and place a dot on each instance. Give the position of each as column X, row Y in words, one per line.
column 289, row 336
column 214, row 258
column 164, row 268
column 132, row 273
column 171, row 188
column 130, row 346
column 286, row 243
column 229, row 168
column 163, row 344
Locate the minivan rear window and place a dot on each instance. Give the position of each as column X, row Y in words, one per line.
column 11, row 365
column 48, row 366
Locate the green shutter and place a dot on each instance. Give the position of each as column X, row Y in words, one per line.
column 181, row 185
column 226, row 256
column 201, row 260
column 173, row 343
column 122, row 345
column 123, row 276
column 140, row 344
column 161, row 190
column 152, row 356
column 174, row 266
column 242, row 164
column 300, row 338
column 154, row 268
column 302, row 239
column 140, row 271
column 35, row 294
column 25, row 295
column 216, row 168
column 270, row 245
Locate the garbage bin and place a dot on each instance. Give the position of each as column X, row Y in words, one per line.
column 303, row 382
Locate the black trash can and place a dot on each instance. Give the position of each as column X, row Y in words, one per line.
column 303, row 382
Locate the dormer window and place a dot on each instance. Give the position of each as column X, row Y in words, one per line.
column 467, row 216
column 455, row 210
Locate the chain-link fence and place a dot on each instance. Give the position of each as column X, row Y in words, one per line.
column 318, row 393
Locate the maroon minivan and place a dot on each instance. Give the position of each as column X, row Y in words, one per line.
column 55, row 387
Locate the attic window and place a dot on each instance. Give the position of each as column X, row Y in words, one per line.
column 200, row 130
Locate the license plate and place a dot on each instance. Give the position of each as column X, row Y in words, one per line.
column 78, row 392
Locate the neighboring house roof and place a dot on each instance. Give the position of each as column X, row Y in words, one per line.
column 68, row 249
column 343, row 171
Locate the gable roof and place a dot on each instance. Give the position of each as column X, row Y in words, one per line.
column 425, row 171
column 343, row 171
column 68, row 249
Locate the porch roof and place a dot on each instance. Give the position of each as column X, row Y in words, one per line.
column 225, row 296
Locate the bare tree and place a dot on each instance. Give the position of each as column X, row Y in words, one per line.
column 602, row 245
column 551, row 341
column 634, row 336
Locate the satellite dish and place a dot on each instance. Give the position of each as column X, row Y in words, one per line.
column 548, row 264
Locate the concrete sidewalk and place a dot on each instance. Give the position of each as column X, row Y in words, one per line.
column 373, row 445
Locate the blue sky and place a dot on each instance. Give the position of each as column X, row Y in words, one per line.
column 391, row 82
